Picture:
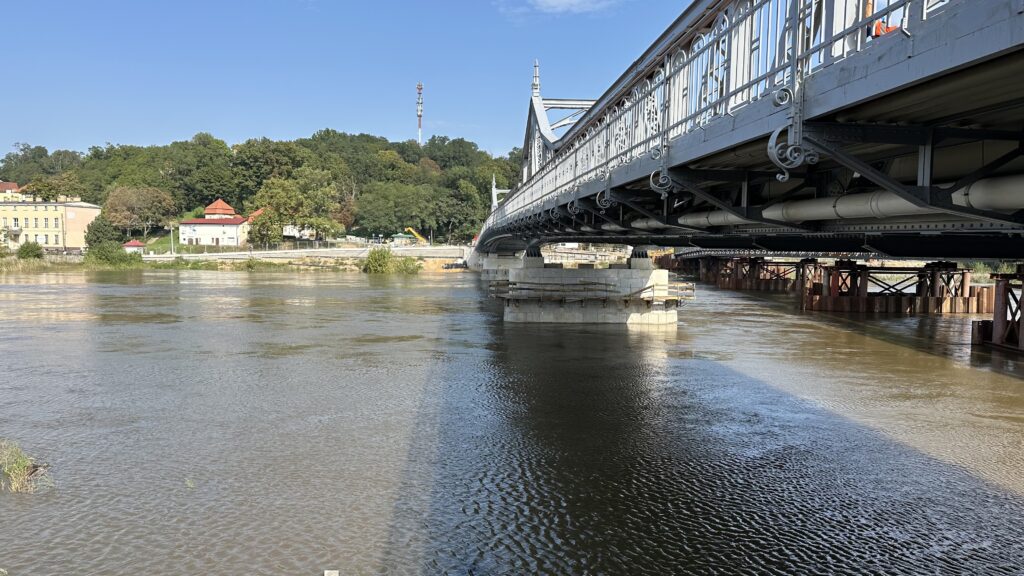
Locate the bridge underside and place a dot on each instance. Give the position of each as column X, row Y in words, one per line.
column 930, row 168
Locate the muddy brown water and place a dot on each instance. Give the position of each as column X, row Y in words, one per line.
column 226, row 423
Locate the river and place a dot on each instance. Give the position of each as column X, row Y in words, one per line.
column 277, row 423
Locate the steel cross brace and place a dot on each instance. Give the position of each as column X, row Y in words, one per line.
column 625, row 200
column 939, row 199
column 596, row 211
column 684, row 180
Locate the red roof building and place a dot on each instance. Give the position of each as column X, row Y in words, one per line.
column 133, row 247
column 219, row 209
column 230, row 221
column 9, row 187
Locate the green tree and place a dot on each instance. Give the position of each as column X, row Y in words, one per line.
column 111, row 253
column 459, row 212
column 101, row 230
column 256, row 161
column 266, row 228
column 106, row 168
column 25, row 164
column 200, row 170
column 449, row 153
column 388, row 207
column 309, row 201
column 49, row 188
column 29, row 251
column 138, row 208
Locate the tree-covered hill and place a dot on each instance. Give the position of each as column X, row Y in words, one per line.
column 330, row 181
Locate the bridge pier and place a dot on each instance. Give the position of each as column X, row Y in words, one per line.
column 633, row 293
column 496, row 266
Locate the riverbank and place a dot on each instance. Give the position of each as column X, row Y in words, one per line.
column 322, row 264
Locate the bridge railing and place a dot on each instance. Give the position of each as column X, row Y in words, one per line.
column 737, row 53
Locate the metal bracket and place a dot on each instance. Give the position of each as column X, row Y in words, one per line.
column 938, row 199
column 622, row 199
column 682, row 178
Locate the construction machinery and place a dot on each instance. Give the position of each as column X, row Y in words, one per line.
column 419, row 237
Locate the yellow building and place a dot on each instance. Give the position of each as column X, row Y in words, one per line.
column 56, row 226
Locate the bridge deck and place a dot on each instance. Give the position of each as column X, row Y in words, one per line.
column 622, row 173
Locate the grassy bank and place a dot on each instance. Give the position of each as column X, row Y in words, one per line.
column 19, row 471
column 379, row 264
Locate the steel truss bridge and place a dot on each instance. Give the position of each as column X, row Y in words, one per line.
column 892, row 127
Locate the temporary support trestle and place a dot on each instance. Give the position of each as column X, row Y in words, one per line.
column 1005, row 329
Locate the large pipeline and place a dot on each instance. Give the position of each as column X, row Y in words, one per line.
column 1003, row 194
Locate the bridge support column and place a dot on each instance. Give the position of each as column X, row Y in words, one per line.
column 496, row 266
column 632, row 296
column 1006, row 329
column 808, row 283
column 639, row 259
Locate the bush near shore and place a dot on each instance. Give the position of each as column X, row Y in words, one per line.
column 383, row 261
column 30, row 251
column 18, row 470
column 111, row 253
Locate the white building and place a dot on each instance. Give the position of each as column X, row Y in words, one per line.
column 220, row 227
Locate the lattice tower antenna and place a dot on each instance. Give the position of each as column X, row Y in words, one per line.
column 419, row 112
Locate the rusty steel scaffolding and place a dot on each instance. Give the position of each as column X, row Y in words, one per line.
column 1004, row 330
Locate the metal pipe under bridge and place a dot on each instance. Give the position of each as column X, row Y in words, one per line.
column 891, row 127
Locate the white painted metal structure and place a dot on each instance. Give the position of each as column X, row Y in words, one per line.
column 737, row 123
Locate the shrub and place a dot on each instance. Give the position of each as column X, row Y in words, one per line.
column 406, row 265
column 101, row 230
column 30, row 250
column 18, row 471
column 111, row 253
column 383, row 261
column 378, row 261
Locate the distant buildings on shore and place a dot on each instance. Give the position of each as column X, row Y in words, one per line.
column 219, row 226
column 57, row 225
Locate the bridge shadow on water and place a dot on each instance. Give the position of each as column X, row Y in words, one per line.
column 608, row 450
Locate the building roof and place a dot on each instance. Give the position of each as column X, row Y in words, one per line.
column 220, row 221
column 133, row 244
column 255, row 214
column 219, row 208
column 9, row 186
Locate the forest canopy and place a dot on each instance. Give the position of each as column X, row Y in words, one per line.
column 331, row 181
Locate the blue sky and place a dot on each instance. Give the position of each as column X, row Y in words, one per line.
column 150, row 72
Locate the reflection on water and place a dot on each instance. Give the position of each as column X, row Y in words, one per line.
column 209, row 422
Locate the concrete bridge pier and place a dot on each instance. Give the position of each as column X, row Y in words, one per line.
column 633, row 293
column 496, row 266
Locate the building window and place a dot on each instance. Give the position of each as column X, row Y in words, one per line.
column 16, row 223
column 36, row 222
column 46, row 239
column 56, row 238
column 5, row 221
column 46, row 222
column 56, row 222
